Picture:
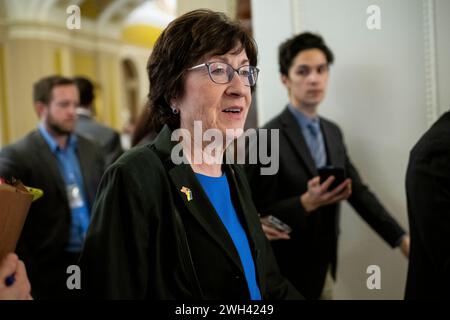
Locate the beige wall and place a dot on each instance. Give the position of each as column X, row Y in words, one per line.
column 31, row 50
column 227, row 6
column 3, row 100
column 3, row 122
column 109, row 75
column 25, row 60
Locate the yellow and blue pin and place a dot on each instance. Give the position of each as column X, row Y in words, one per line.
column 187, row 192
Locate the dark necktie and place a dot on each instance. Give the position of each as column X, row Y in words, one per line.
column 317, row 146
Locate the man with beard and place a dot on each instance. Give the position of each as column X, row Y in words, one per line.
column 68, row 169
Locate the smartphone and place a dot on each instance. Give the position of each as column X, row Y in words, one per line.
column 276, row 223
column 338, row 173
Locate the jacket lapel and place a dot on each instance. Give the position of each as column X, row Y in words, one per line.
column 332, row 144
column 245, row 208
column 49, row 161
column 198, row 205
column 86, row 161
column 297, row 140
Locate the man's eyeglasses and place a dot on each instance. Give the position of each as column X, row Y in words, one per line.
column 221, row 73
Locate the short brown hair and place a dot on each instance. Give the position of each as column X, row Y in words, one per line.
column 186, row 40
column 42, row 89
column 289, row 49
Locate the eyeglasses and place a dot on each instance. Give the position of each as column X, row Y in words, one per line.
column 221, row 73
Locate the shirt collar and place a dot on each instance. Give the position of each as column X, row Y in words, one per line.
column 52, row 143
column 302, row 119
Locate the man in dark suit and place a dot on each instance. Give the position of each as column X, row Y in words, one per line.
column 67, row 168
column 295, row 194
column 107, row 138
column 428, row 195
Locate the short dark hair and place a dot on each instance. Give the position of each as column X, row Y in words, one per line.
column 86, row 89
column 42, row 89
column 289, row 49
column 193, row 36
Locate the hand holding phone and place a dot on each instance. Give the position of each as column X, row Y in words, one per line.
column 338, row 173
column 276, row 223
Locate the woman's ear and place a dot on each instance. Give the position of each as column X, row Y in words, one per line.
column 173, row 102
column 174, row 106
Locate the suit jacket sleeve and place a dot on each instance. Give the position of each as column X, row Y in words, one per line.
column 277, row 286
column 289, row 209
column 115, row 257
column 114, row 148
column 370, row 208
column 11, row 164
column 428, row 188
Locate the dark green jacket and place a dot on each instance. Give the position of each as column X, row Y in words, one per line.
column 148, row 241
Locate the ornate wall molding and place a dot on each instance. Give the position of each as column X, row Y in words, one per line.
column 431, row 81
column 76, row 39
column 298, row 15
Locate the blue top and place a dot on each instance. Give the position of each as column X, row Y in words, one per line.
column 312, row 133
column 218, row 192
column 69, row 168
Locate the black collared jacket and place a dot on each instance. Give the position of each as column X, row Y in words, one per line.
column 149, row 240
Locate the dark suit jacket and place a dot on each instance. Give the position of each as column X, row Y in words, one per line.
column 304, row 258
column 46, row 231
column 147, row 241
column 428, row 195
column 107, row 138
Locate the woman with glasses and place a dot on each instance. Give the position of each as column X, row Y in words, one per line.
column 172, row 220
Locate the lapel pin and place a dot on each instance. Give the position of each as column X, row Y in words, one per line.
column 187, row 192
